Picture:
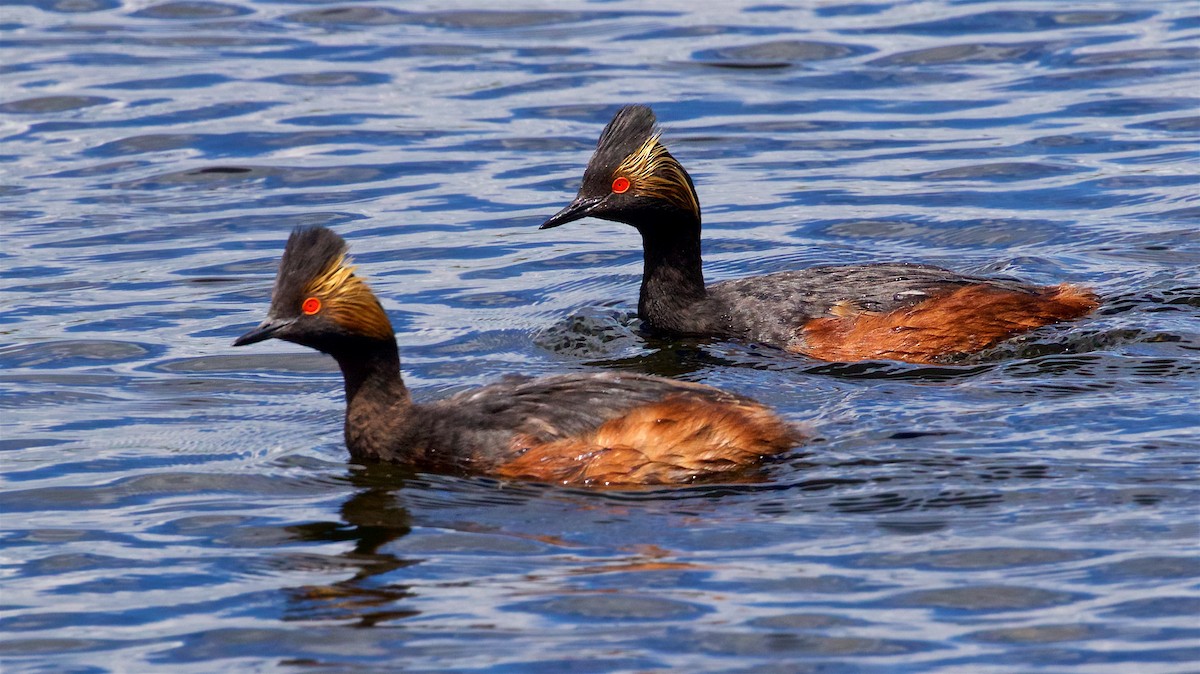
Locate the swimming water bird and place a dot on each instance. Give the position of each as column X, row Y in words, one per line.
column 888, row 311
column 593, row 429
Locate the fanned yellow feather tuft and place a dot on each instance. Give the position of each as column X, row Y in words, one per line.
column 655, row 173
column 349, row 301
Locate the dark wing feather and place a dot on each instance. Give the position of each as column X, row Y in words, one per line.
column 600, row 428
column 550, row 408
column 771, row 307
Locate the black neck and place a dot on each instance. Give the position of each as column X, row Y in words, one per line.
column 673, row 278
column 377, row 401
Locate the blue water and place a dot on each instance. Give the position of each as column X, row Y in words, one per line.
column 172, row 504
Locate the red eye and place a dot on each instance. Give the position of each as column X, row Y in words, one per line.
column 621, row 185
column 311, row 306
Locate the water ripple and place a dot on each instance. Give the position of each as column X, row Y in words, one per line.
column 178, row 505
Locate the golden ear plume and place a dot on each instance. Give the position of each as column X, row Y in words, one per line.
column 655, row 173
column 349, row 301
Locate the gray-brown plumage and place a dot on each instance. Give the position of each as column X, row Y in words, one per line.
column 588, row 429
column 894, row 311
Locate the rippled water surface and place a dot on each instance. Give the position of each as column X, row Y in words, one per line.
column 173, row 504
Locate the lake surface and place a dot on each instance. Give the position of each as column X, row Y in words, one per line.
column 172, row 504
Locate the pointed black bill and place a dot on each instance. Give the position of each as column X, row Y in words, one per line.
column 576, row 210
column 265, row 330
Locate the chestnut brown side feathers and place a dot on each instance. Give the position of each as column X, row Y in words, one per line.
column 965, row 320
column 677, row 440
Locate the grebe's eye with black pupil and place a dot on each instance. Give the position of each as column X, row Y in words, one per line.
column 620, row 185
column 311, row 306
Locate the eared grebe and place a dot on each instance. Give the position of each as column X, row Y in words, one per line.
column 604, row 428
column 891, row 311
